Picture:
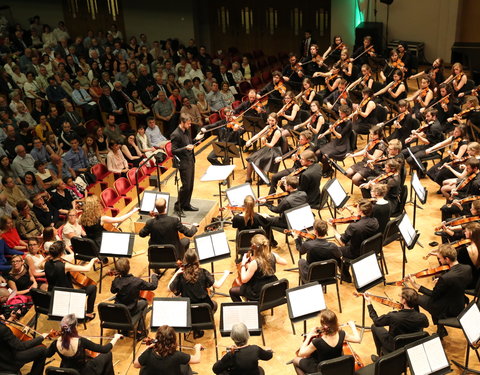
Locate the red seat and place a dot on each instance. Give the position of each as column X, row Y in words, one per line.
column 103, row 174
column 256, row 82
column 125, row 188
column 267, row 76
column 236, row 104
column 124, row 127
column 131, row 176
column 244, row 99
column 244, row 87
column 168, row 149
column 111, row 199
column 213, row 118
column 222, row 113
column 90, row 125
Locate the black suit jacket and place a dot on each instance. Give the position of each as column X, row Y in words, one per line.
column 230, row 80
column 163, row 230
column 447, row 298
column 180, row 140
column 310, row 183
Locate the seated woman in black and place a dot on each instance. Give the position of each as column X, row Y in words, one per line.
column 324, row 342
column 242, row 359
column 72, row 350
column 193, row 282
column 248, row 219
column 256, row 270
column 162, row 356
column 20, row 280
column 58, row 274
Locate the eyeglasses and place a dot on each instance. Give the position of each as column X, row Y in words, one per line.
column 17, row 261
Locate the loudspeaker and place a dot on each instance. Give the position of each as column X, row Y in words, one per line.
column 374, row 29
column 388, row 2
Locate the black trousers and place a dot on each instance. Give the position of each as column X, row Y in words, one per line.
column 277, row 177
column 418, row 152
column 91, row 291
column 37, row 355
column 383, row 340
column 101, row 365
column 185, row 194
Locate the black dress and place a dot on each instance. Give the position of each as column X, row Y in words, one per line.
column 174, row 364
column 244, row 361
column 251, row 289
column 323, row 352
column 364, row 124
column 94, row 232
column 265, row 157
column 464, row 258
column 338, row 148
column 133, row 152
column 198, row 291
column 361, row 167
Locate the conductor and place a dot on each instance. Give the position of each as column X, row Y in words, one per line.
column 184, row 157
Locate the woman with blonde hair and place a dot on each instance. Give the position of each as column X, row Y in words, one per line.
column 248, row 219
column 324, row 342
column 257, row 269
column 93, row 219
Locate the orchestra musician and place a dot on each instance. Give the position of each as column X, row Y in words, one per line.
column 127, row 288
column 308, row 94
column 392, row 65
column 446, row 299
column 356, row 233
column 162, row 356
column 277, row 91
column 16, row 353
column 458, row 79
column 405, row 56
column 312, row 64
column 471, row 112
column 72, row 350
column 451, row 233
column 318, row 249
column 323, row 342
column 274, row 144
column 406, row 320
column 256, row 270
column 310, row 178
column 164, row 229
column 248, row 219
column 293, row 72
column 422, row 98
column 192, row 281
column 241, row 358
column 365, row 56
column 366, row 113
column 403, row 124
column 339, row 146
column 469, row 255
column 253, row 113
column 435, row 72
column 338, row 96
column 346, row 65
column 395, row 91
column 430, row 135
column 381, row 207
column 446, row 106
column 288, row 115
column 375, row 149
column 363, row 81
column 58, row 274
column 315, row 124
column 334, row 50
column 304, row 143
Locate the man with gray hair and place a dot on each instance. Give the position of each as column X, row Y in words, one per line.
column 23, row 162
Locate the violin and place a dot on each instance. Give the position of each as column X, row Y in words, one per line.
column 274, row 196
column 425, row 273
column 297, row 151
column 399, row 64
column 296, row 172
column 345, row 220
column 307, row 92
column 306, row 235
column 238, row 279
column 459, row 221
column 260, row 104
column 347, row 350
column 81, row 280
column 333, row 76
column 372, row 144
column 458, row 77
column 464, row 200
column 455, row 245
column 234, row 208
column 281, row 88
column 382, row 177
column 383, row 300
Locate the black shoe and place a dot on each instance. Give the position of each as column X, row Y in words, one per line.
column 190, row 208
column 441, row 331
column 141, row 335
column 347, row 278
column 374, row 358
column 198, row 334
column 274, row 243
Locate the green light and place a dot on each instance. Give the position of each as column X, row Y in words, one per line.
column 358, row 15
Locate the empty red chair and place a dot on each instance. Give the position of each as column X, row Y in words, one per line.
column 103, row 174
column 267, row 76
column 142, row 179
column 90, row 125
column 126, row 189
column 256, row 82
column 111, row 199
column 236, row 104
column 213, row 118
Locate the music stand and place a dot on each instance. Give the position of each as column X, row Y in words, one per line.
column 210, row 247
column 66, row 301
column 468, row 320
column 408, row 239
column 301, row 305
column 337, row 194
column 117, row 244
column 262, row 176
column 366, row 274
column 420, row 167
column 427, row 357
column 420, row 193
column 149, row 198
column 174, row 312
column 236, row 195
column 227, row 150
column 300, row 218
column 247, row 313
column 336, row 166
column 218, row 173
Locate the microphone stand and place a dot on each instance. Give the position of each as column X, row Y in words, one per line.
column 144, row 162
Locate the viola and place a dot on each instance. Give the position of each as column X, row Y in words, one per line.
column 81, row 280
column 274, row 196
column 298, row 171
column 425, row 273
column 345, row 220
column 306, row 235
column 455, row 245
column 383, row 300
column 238, row 279
column 347, row 350
column 459, row 221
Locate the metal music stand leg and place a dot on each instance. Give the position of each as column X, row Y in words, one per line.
column 415, row 205
column 214, row 292
column 220, row 222
column 465, row 367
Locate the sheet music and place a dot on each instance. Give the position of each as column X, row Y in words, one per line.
column 470, row 324
column 418, row 187
column 262, row 175
column 247, row 314
column 220, row 243
column 336, row 193
column 436, row 354
column 407, row 230
column 217, row 173
column 115, row 243
column 204, row 247
column 172, row 313
column 77, row 304
column 65, row 303
column 237, row 194
column 302, row 303
column 367, row 270
column 149, row 198
column 419, row 360
column 301, row 218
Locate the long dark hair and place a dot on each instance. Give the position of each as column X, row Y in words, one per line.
column 68, row 330
column 165, row 341
column 191, row 266
column 249, row 204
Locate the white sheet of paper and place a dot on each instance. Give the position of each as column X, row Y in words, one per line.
column 220, row 243
column 77, row 304
column 407, row 230
column 204, row 247
column 307, row 301
column 115, row 243
column 418, row 187
column 301, row 218
column 172, row 313
column 61, row 303
column 436, row 354
column 367, row 270
column 149, row 198
column 336, row 192
column 262, row 175
column 236, row 195
column 247, row 315
column 217, row 173
column 419, row 360
column 470, row 322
